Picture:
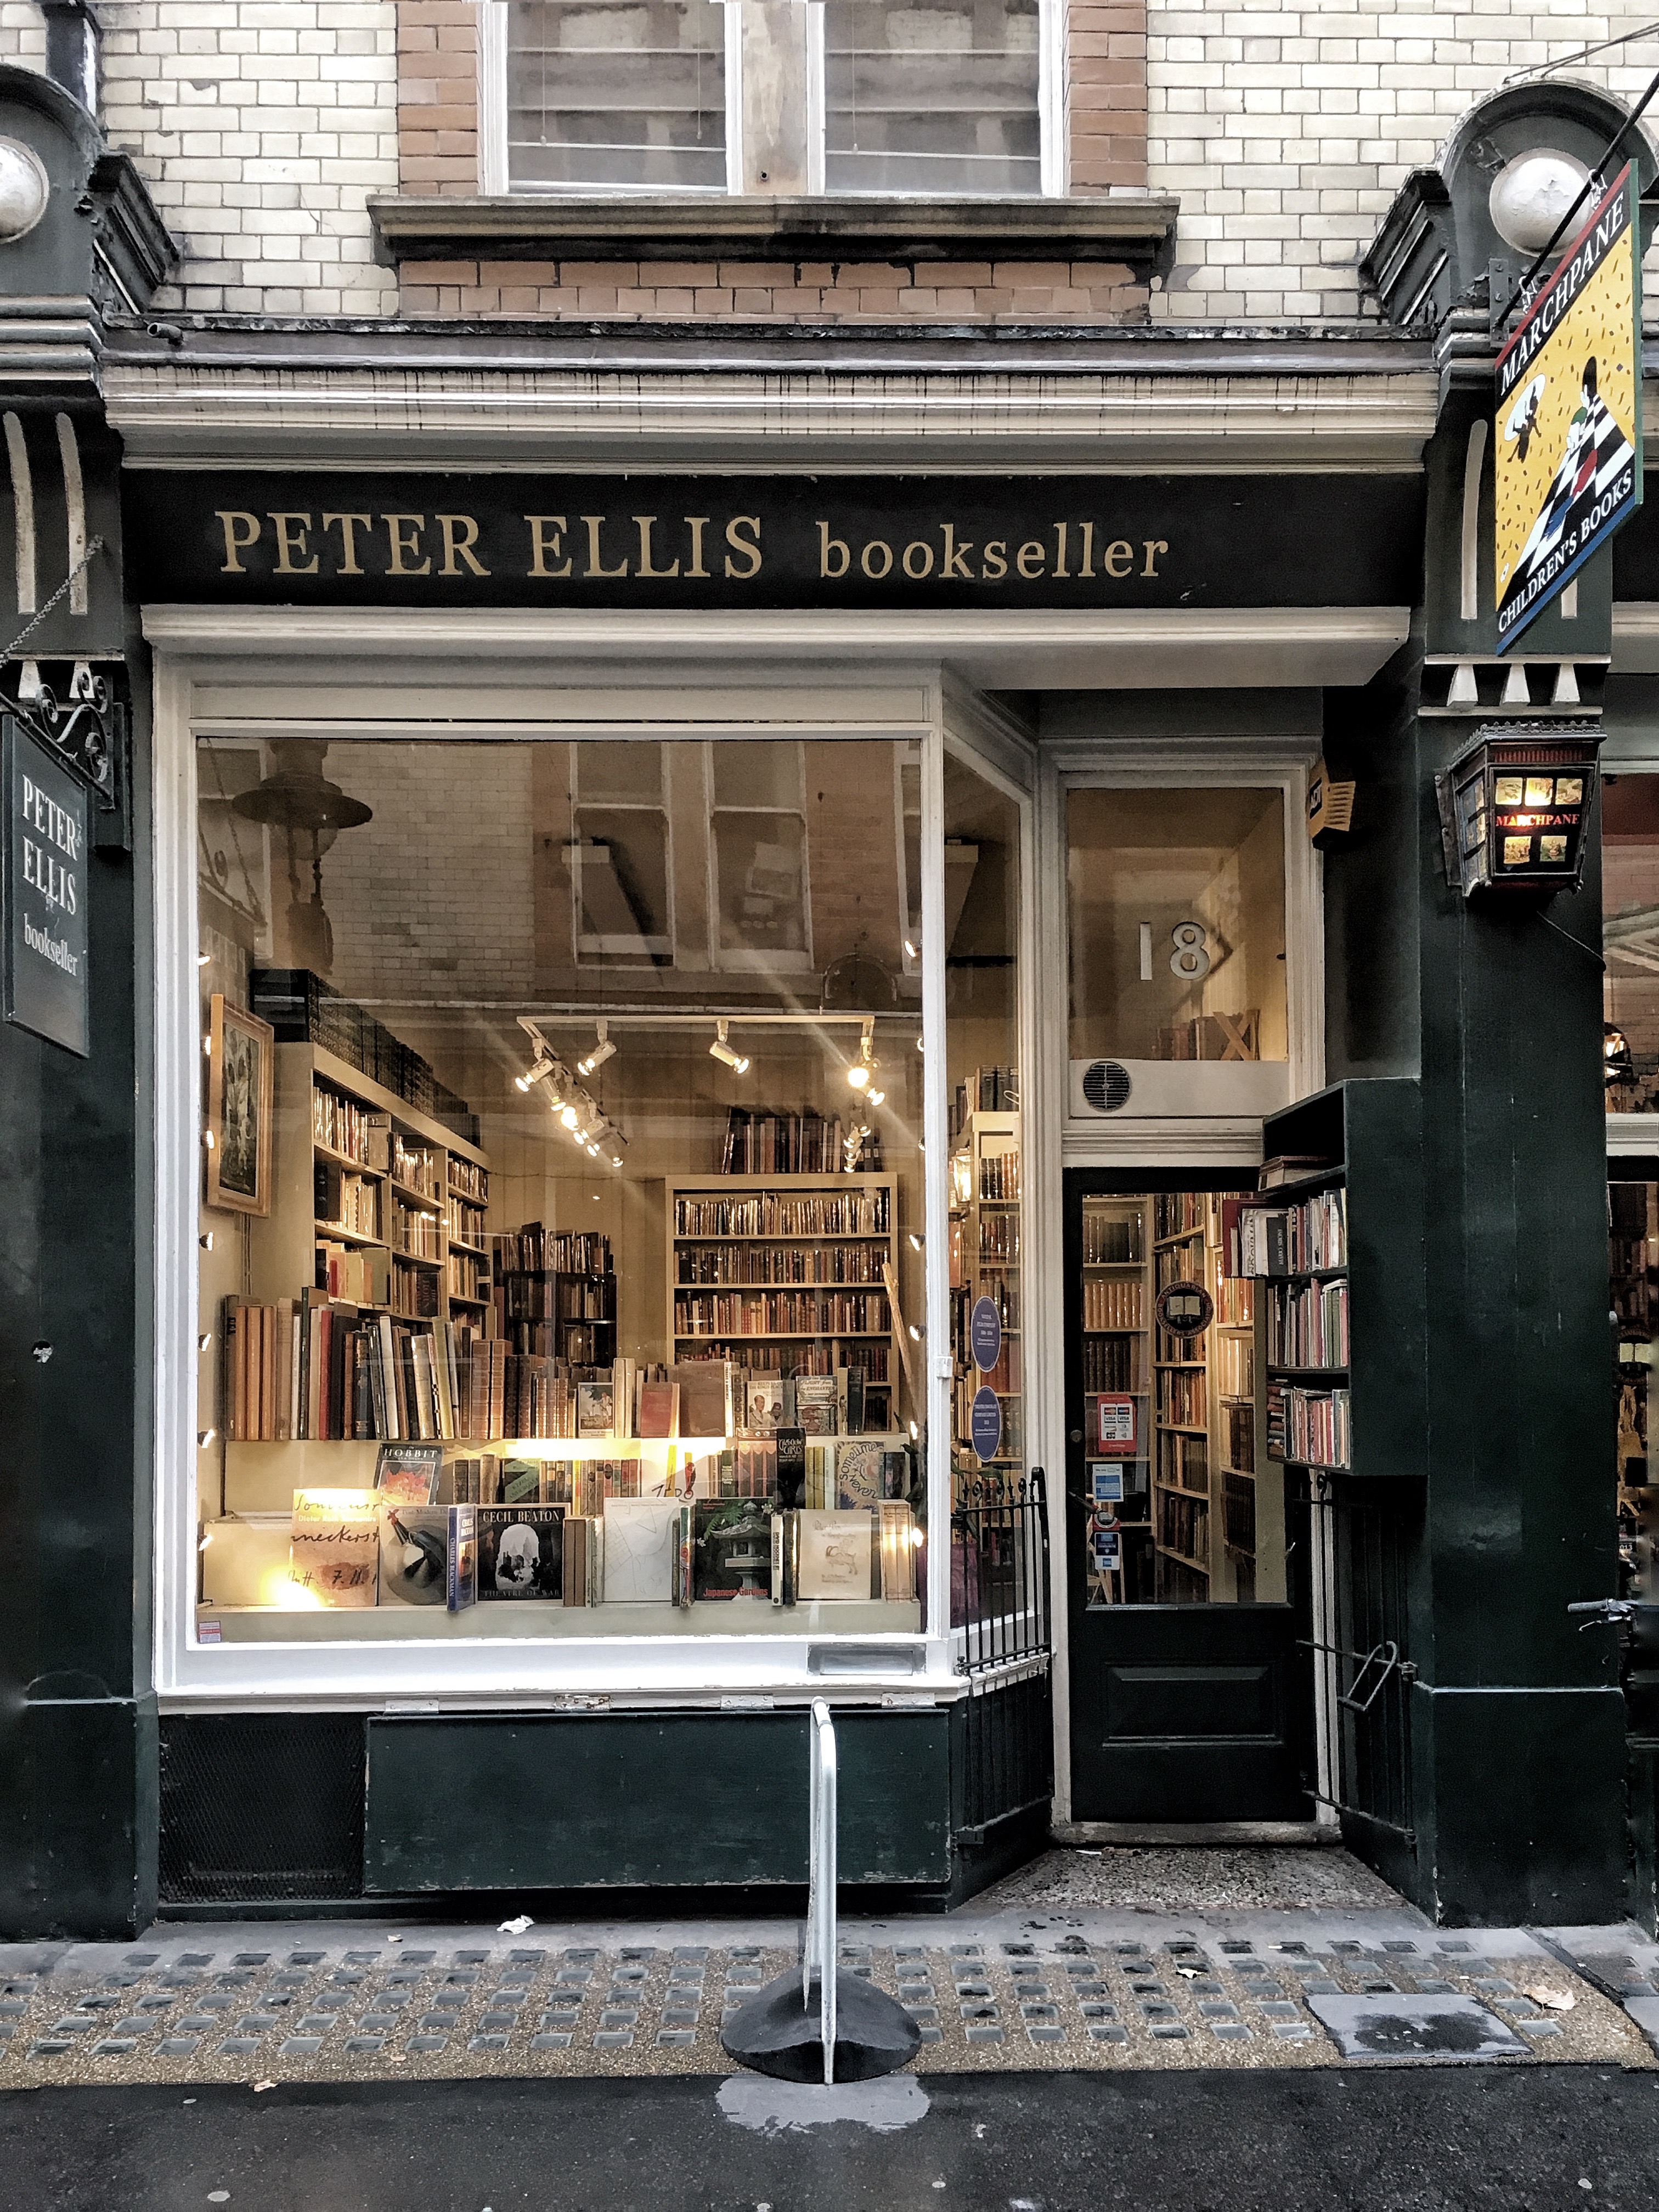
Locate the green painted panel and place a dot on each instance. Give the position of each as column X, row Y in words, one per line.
column 646, row 1800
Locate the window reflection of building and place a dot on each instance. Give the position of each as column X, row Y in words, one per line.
column 1629, row 930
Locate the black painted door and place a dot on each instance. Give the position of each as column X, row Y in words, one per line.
column 1190, row 1693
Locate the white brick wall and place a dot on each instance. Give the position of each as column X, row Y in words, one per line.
column 1287, row 129
column 261, row 127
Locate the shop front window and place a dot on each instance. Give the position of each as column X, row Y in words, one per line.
column 1629, row 940
column 986, row 1178
column 1175, row 906
column 562, row 1225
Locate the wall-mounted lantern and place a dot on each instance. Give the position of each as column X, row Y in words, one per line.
column 1514, row 808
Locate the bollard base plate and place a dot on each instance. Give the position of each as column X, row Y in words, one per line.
column 776, row 2033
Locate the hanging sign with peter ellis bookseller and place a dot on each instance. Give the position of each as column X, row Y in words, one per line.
column 1568, row 441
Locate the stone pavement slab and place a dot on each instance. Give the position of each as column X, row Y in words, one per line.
column 996, row 1990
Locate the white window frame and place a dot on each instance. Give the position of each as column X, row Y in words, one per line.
column 492, row 58
column 230, row 674
column 737, row 959
column 621, row 954
column 1631, row 752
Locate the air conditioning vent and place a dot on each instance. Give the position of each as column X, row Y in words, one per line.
column 1106, row 1085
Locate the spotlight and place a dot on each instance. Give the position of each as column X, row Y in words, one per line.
column 865, row 1066
column 202, row 959
column 204, row 1438
column 203, row 1343
column 909, row 949
column 916, row 1242
column 602, row 1050
column 569, row 1116
column 538, row 1073
column 721, row 1050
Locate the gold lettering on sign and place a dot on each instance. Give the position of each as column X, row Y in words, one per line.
column 996, row 563
column 1088, row 567
column 547, row 543
column 1154, row 546
column 291, row 539
column 595, row 558
column 829, row 547
column 1060, row 568
column 460, row 536
column 1119, row 558
column 748, row 549
column 876, row 545
column 404, row 548
column 1030, row 558
column 237, row 539
column 349, row 565
column 955, row 563
column 697, row 523
column 920, row 546
column 644, row 524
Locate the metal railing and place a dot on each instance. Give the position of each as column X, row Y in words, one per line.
column 999, row 1620
column 1362, row 1677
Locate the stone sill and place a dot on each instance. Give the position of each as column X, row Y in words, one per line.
column 1132, row 228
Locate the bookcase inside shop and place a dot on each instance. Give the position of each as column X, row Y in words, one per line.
column 792, row 1276
column 986, row 1215
column 1116, row 1338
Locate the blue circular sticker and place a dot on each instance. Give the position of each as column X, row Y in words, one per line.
column 985, row 1334
column 986, row 1425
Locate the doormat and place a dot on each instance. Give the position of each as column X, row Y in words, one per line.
column 180, row 2012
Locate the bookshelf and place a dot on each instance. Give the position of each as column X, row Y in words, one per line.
column 1115, row 1300
column 985, row 1213
column 787, row 1273
column 1182, row 1402
column 1363, row 1142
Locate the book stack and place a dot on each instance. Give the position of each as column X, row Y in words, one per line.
column 1309, row 1428
column 1308, row 1325
column 770, row 1143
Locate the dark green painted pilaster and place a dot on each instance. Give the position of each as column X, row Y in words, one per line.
column 78, row 1714
column 1517, row 1721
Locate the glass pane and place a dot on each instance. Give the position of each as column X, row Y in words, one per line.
column 606, row 93
column 1633, row 1223
column 1629, row 939
column 937, row 95
column 1185, row 1483
column 623, row 1284
column 981, row 978
column 1176, row 903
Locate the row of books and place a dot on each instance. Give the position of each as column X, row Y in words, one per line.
column 463, row 1278
column 1292, row 1240
column 735, row 1266
column 1182, row 1398
column 1233, row 1366
column 418, row 1167
column 346, row 1198
column 1185, row 1460
column 766, row 1142
column 1241, row 1438
column 1309, row 1428
column 464, row 1222
column 1308, row 1325
column 786, row 1313
column 999, row 1177
column 414, row 1229
column 1115, row 1363
column 416, row 1292
column 777, row 1213
column 344, row 1125
column 533, row 1250
column 355, row 1548
column 302, row 1008
column 1183, row 1526
column 350, row 1275
column 1109, row 1305
column 1112, row 1239
column 468, row 1180
column 549, row 1296
column 1178, row 1212
column 998, row 1239
column 986, row 1090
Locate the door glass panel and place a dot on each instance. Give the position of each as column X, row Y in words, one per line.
column 1630, row 938
column 1183, row 1505
column 1175, row 904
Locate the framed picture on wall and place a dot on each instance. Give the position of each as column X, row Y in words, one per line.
column 238, row 1108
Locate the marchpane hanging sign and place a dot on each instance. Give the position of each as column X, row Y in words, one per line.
column 1568, row 439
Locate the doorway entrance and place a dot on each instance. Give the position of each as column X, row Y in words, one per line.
column 1189, row 1597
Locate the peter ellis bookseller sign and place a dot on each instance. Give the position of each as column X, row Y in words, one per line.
column 1569, row 425
column 46, row 894
column 561, row 540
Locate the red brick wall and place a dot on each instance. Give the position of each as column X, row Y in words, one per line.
column 861, row 291
column 1107, row 41
column 437, row 96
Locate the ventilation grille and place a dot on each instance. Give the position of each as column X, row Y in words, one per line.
column 1106, row 1085
column 261, row 1806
